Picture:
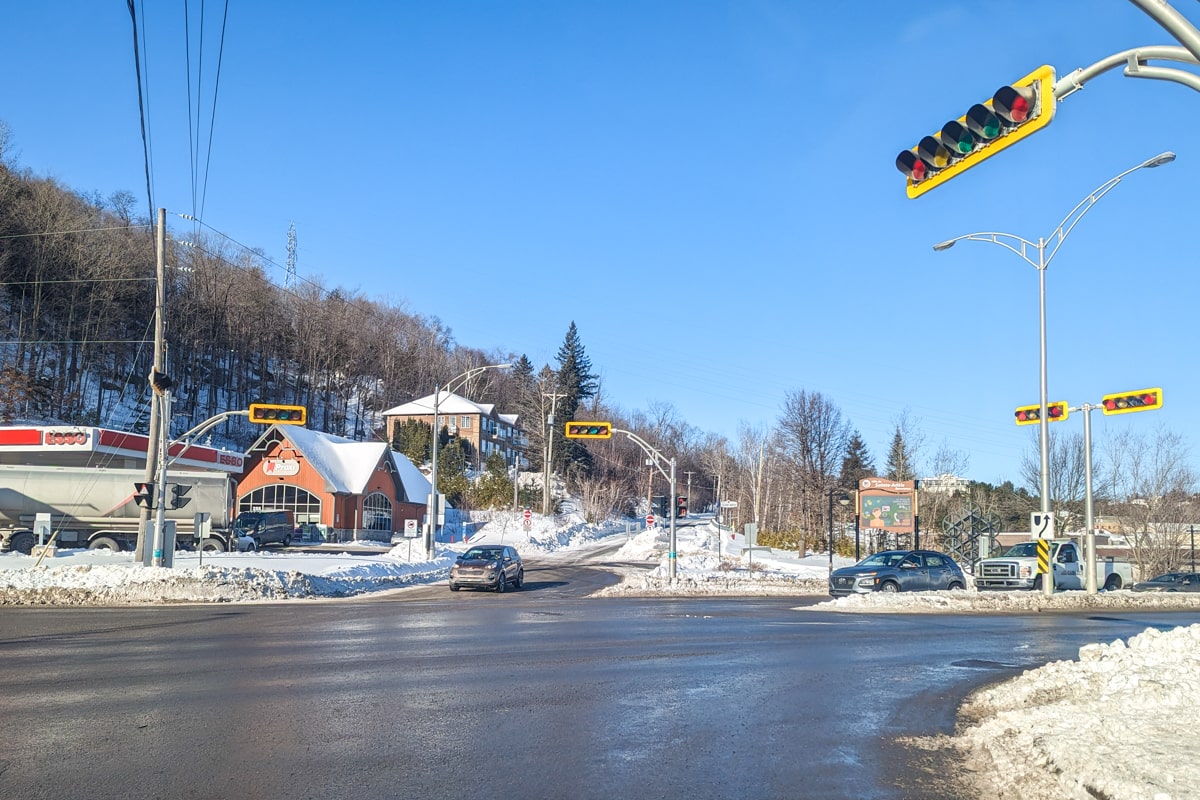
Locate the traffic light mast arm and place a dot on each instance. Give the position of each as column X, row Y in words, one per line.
column 656, row 458
column 1173, row 22
column 1134, row 61
column 188, row 438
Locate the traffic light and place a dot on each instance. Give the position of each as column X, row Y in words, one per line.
column 1013, row 112
column 144, row 496
column 589, row 430
column 161, row 382
column 1125, row 402
column 1032, row 415
column 178, row 492
column 272, row 414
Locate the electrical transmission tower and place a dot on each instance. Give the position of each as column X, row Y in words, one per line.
column 290, row 281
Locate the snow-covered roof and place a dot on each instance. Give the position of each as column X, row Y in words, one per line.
column 347, row 465
column 448, row 403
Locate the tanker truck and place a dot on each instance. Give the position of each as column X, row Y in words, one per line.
column 94, row 507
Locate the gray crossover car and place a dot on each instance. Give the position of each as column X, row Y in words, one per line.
column 898, row 571
column 488, row 566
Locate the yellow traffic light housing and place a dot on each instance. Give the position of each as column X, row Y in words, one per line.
column 1032, row 415
column 1125, row 402
column 274, row 414
column 1014, row 112
column 589, row 430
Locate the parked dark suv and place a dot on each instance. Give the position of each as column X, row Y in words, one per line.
column 266, row 527
column 488, row 566
column 898, row 571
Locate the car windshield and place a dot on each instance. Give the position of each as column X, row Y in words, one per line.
column 887, row 559
column 482, row 554
column 1022, row 550
column 245, row 522
column 1170, row 577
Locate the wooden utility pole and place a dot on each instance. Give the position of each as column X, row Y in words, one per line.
column 152, row 448
column 549, row 451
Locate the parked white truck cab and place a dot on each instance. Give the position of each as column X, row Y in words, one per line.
column 1017, row 568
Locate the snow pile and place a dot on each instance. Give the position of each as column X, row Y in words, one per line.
column 971, row 601
column 104, row 578
column 1120, row 722
column 701, row 568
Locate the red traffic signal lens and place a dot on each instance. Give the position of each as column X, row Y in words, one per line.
column 911, row 165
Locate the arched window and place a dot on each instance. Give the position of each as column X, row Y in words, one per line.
column 304, row 505
column 377, row 512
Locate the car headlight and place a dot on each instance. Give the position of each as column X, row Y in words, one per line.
column 491, row 567
column 1026, row 571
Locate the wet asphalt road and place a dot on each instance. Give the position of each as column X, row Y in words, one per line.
column 540, row 693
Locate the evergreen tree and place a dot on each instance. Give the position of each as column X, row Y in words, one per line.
column 576, row 383
column 857, row 464
column 452, row 471
column 528, row 407
column 900, row 465
column 412, row 438
column 494, row 489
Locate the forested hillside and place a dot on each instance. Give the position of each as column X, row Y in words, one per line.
column 77, row 279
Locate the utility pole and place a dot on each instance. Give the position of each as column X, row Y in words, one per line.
column 152, row 454
column 549, row 450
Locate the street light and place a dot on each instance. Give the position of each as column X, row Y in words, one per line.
column 1054, row 241
column 844, row 499
column 451, row 385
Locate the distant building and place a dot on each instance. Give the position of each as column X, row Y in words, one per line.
column 479, row 425
column 944, row 484
column 345, row 489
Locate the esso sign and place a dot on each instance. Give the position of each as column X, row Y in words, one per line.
column 66, row 437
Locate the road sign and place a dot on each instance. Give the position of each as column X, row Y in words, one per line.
column 528, row 518
column 729, row 504
column 1041, row 524
column 649, row 520
column 410, row 529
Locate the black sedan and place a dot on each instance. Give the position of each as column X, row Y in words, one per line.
column 898, row 571
column 1170, row 582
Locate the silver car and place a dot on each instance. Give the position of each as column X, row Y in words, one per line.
column 488, row 566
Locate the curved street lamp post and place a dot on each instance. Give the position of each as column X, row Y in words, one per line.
column 454, row 383
column 1046, row 249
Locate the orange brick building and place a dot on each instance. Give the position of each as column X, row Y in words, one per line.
column 349, row 490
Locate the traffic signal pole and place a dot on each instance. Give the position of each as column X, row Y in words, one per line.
column 658, row 460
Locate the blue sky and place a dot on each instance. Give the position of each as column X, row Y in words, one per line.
column 707, row 188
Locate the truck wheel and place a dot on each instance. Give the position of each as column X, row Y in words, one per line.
column 211, row 545
column 22, row 543
column 1113, row 583
column 104, row 543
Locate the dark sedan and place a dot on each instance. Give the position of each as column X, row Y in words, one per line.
column 898, row 571
column 488, row 567
column 1170, row 582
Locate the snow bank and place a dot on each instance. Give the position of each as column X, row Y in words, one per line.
column 1117, row 723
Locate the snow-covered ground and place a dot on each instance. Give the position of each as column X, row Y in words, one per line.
column 1050, row 733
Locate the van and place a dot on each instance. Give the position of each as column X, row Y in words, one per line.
column 266, row 527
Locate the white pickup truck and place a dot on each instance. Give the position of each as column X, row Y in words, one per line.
column 1017, row 568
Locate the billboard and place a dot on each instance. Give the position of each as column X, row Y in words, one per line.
column 886, row 505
